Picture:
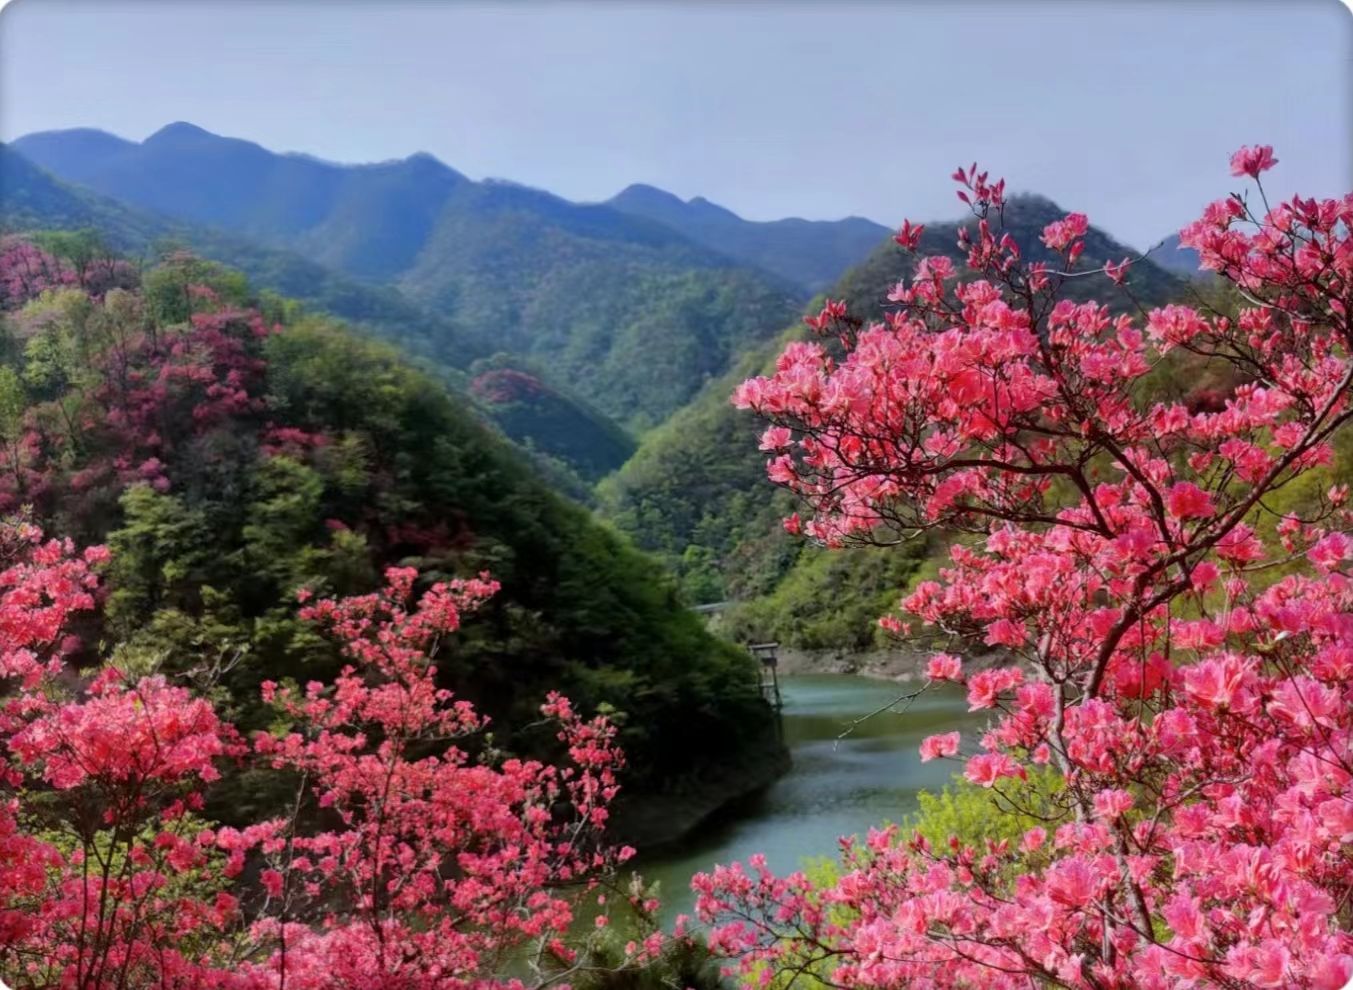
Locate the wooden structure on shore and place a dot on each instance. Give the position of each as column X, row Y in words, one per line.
column 770, row 680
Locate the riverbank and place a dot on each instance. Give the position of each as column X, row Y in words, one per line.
column 899, row 663
column 651, row 821
column 896, row 664
column 847, row 776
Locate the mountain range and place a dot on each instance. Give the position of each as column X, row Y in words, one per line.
column 695, row 492
column 810, row 253
column 631, row 305
column 631, row 310
column 604, row 338
column 33, row 198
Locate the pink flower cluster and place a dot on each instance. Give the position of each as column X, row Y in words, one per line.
column 1196, row 708
column 407, row 862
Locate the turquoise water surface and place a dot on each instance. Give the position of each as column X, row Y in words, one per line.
column 839, row 785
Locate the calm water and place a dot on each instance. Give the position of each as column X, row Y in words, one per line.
column 837, row 786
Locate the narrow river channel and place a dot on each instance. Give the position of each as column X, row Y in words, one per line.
column 837, row 786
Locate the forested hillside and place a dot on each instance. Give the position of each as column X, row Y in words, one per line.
column 1173, row 257
column 34, row 199
column 546, row 420
column 31, row 199
column 627, row 312
column 230, row 462
column 696, row 492
column 810, row 253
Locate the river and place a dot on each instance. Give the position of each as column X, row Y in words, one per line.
column 837, row 786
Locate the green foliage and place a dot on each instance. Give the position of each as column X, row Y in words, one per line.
column 165, row 287
column 634, row 328
column 548, row 421
column 696, row 494
column 13, row 402
column 352, row 460
column 285, row 516
column 158, row 558
column 699, row 481
column 978, row 815
column 626, row 312
column 580, row 609
column 829, row 599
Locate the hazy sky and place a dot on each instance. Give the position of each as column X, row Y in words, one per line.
column 1125, row 109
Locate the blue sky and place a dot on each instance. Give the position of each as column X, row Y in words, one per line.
column 1126, row 110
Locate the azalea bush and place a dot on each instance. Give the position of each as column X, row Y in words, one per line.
column 1176, row 655
column 403, row 862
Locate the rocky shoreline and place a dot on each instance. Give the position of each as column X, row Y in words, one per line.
column 649, row 821
column 897, row 664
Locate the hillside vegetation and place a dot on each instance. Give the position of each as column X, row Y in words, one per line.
column 628, row 313
column 33, row 199
column 696, row 492
column 546, row 420
column 229, row 462
column 810, row 253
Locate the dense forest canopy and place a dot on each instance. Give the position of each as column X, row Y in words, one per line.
column 628, row 313
column 696, row 491
column 231, row 455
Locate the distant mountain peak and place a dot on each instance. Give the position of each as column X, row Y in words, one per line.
column 80, row 141
column 427, row 162
column 711, row 208
column 809, row 253
column 1034, row 203
column 641, row 192
column 96, row 133
column 639, row 197
column 179, row 130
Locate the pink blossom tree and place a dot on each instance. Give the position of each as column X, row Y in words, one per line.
column 102, row 825
column 405, row 862
column 1178, row 652
column 437, row 870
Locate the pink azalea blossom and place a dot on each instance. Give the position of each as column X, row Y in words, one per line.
column 1252, row 161
column 945, row 744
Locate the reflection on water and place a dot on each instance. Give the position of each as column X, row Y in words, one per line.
column 838, row 786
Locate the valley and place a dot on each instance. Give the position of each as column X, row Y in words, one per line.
column 615, row 394
column 590, row 496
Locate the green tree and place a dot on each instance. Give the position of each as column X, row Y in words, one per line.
column 160, row 558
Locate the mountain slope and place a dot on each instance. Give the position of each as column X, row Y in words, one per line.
column 571, row 442
column 1177, row 259
column 365, row 220
column 599, row 297
column 33, row 199
column 810, row 253
column 548, row 421
column 227, row 464
column 625, row 312
column 695, row 493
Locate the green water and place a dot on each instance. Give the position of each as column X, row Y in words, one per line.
column 837, row 786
